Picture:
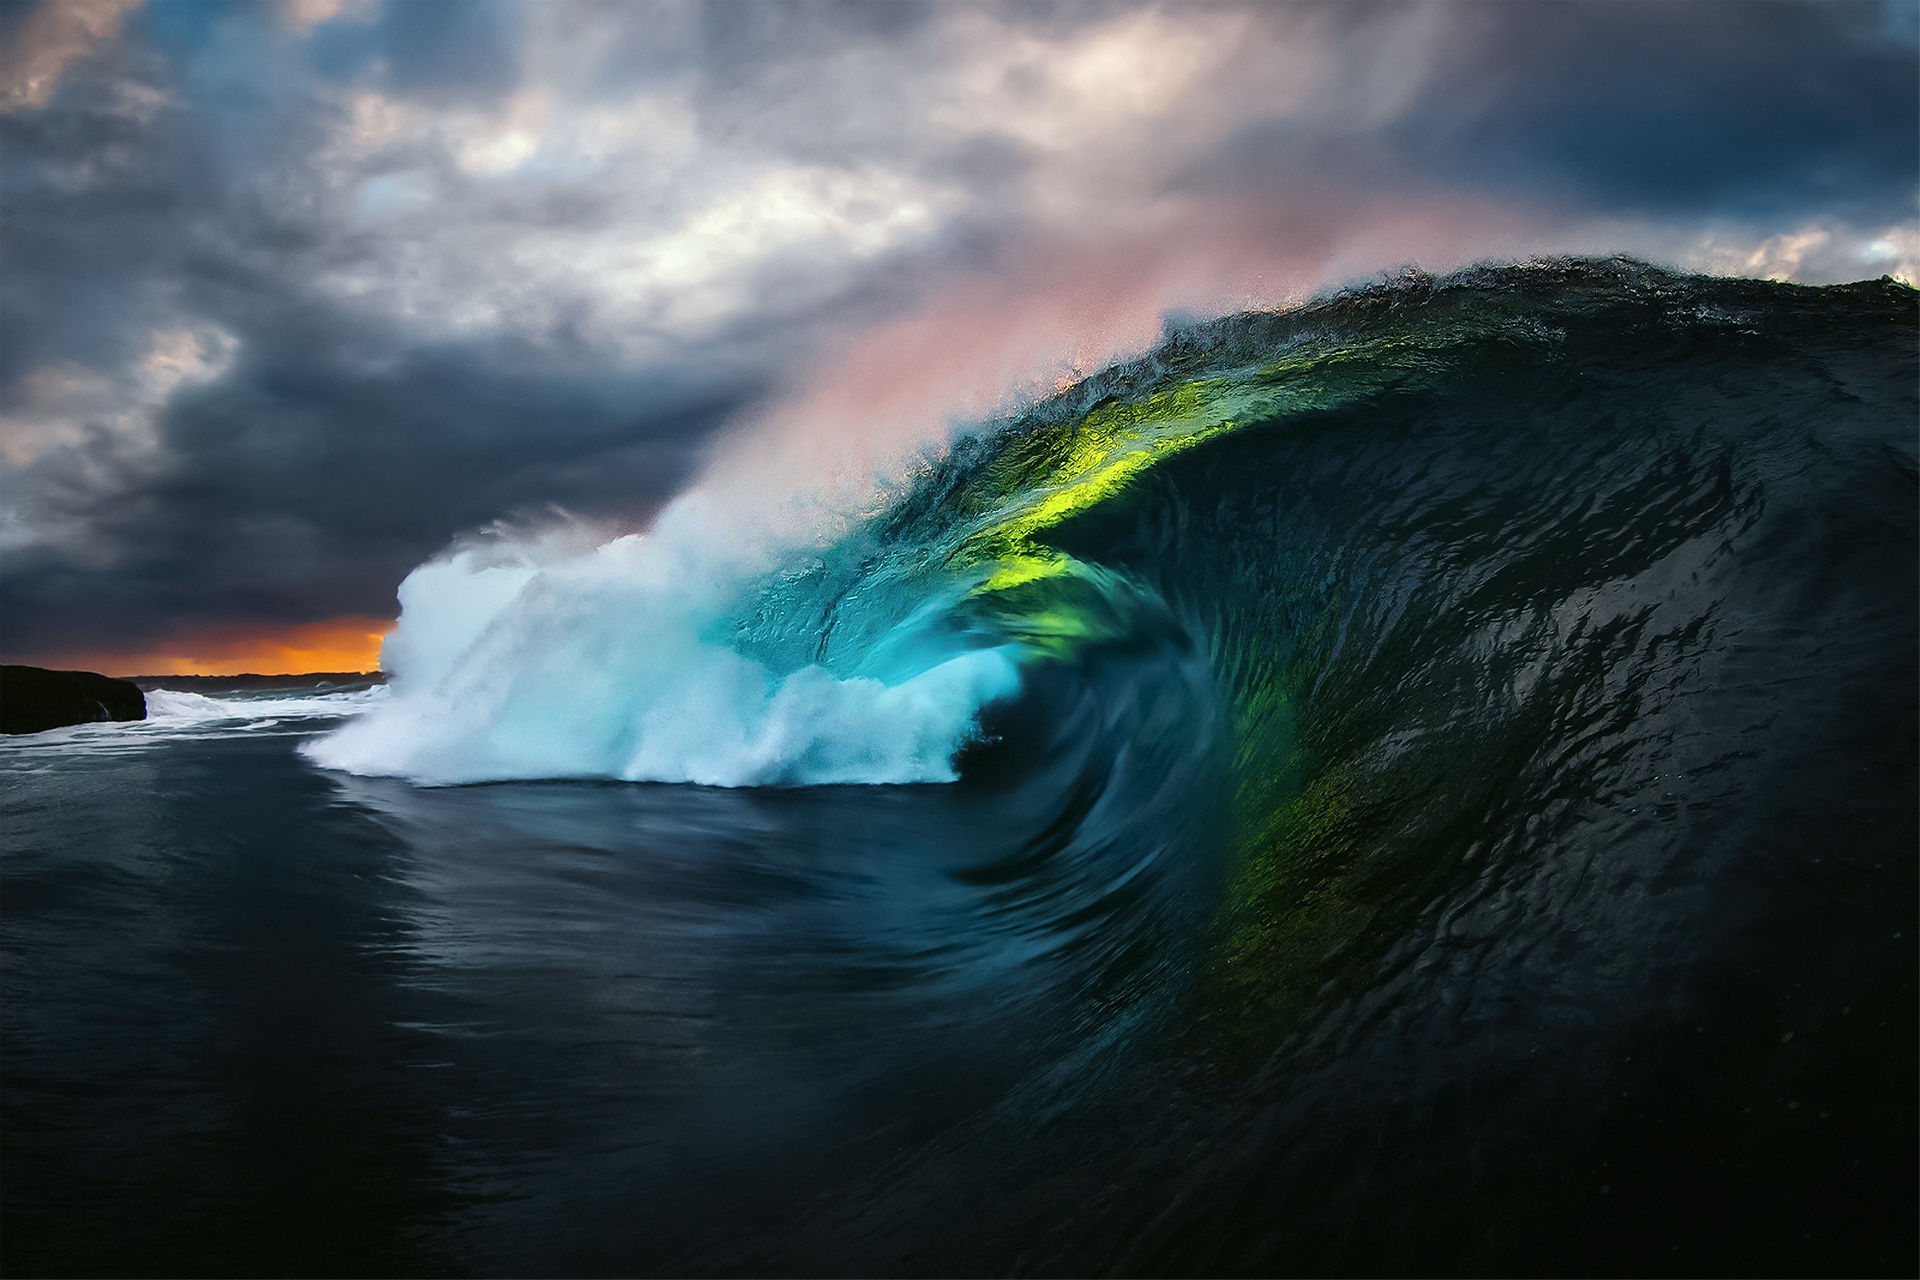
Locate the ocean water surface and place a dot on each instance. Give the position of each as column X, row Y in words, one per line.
column 1424, row 782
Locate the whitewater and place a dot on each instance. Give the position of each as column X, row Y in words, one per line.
column 604, row 665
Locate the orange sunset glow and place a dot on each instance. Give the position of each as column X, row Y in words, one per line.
column 338, row 644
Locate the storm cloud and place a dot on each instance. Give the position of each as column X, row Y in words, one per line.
column 295, row 294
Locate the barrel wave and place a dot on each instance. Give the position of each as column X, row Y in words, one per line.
column 1442, row 762
column 1515, row 497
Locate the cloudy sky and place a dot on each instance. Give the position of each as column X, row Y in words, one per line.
column 293, row 294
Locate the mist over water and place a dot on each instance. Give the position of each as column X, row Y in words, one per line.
column 1424, row 782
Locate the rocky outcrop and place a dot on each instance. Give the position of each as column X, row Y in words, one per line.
column 33, row 699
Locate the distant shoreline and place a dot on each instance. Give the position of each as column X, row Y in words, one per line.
column 249, row 682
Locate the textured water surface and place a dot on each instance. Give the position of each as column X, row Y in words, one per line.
column 1453, row 808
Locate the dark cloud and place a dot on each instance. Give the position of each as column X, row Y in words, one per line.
column 95, row 191
column 338, row 451
column 459, row 50
column 292, row 489
column 1715, row 109
column 1741, row 110
column 1752, row 110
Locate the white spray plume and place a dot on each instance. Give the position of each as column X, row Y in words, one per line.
column 510, row 663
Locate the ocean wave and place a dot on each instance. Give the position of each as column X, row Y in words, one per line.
column 1510, row 499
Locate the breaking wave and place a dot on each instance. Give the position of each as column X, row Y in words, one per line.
column 1433, row 789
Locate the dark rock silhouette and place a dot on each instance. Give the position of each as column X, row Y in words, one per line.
column 33, row 699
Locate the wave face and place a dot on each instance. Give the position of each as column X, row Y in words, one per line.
column 1475, row 494
column 1546, row 639
column 1433, row 790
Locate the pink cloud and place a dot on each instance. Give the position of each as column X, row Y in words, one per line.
column 1060, row 307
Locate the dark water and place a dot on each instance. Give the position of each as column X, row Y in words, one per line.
column 1460, row 817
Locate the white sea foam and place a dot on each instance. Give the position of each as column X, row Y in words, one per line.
column 169, row 710
column 599, row 665
column 173, row 715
